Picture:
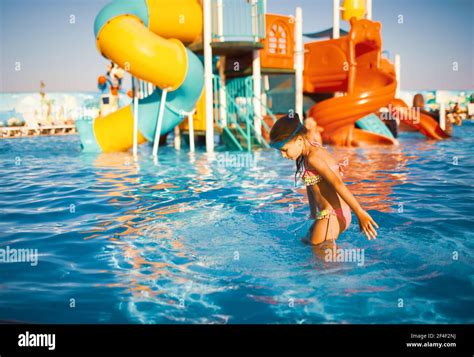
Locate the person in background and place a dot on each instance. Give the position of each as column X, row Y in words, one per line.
column 419, row 102
column 314, row 131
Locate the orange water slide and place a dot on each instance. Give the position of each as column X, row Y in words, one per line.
column 350, row 64
column 422, row 122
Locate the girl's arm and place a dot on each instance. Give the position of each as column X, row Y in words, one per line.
column 366, row 222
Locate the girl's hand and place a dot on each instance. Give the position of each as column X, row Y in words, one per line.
column 366, row 224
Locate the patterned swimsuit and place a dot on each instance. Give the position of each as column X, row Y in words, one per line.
column 312, row 177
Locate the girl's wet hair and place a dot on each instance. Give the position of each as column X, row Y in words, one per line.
column 286, row 126
column 283, row 128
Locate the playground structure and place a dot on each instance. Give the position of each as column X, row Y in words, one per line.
column 214, row 62
column 134, row 34
column 353, row 65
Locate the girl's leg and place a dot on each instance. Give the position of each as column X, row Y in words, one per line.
column 326, row 229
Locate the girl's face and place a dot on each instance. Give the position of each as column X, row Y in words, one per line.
column 293, row 149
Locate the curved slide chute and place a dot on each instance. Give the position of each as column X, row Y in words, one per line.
column 422, row 122
column 350, row 64
column 145, row 37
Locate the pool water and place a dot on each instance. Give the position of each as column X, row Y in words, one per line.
column 217, row 239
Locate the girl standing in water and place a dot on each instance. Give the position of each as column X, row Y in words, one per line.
column 329, row 199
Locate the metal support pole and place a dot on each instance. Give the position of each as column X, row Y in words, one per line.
column 135, row 118
column 156, row 142
column 335, row 19
column 442, row 116
column 220, row 22
column 191, row 131
column 368, row 9
column 222, row 94
column 208, row 75
column 257, row 92
column 151, row 88
column 266, row 88
column 299, row 61
column 177, row 138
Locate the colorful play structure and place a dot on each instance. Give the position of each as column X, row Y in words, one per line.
column 231, row 70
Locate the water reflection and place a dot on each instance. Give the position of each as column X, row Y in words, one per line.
column 149, row 257
column 145, row 233
column 372, row 173
column 156, row 245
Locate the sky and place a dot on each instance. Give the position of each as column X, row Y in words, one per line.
column 53, row 41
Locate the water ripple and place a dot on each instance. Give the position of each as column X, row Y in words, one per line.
column 189, row 240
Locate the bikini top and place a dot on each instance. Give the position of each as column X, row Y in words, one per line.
column 312, row 177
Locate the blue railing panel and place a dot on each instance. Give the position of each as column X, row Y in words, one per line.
column 238, row 20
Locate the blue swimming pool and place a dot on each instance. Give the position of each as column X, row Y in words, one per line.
column 216, row 239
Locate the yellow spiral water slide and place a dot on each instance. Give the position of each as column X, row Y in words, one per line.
column 147, row 38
